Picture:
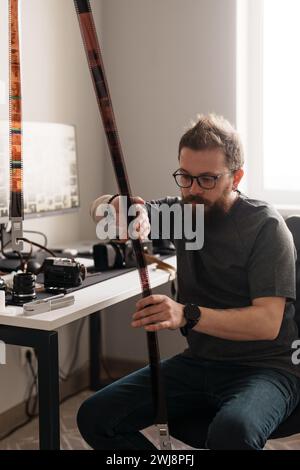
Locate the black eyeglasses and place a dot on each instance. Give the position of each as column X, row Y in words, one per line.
column 184, row 180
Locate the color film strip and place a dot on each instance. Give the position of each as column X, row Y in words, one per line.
column 94, row 57
column 15, row 128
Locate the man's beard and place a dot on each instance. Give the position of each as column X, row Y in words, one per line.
column 215, row 213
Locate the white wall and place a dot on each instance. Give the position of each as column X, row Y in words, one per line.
column 56, row 88
column 166, row 62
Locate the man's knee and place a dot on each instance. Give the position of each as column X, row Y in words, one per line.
column 234, row 433
column 94, row 423
column 85, row 418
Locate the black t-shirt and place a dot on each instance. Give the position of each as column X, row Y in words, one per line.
column 250, row 255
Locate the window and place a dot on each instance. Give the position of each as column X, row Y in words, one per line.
column 268, row 114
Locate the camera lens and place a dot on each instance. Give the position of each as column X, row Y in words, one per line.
column 24, row 287
column 2, row 284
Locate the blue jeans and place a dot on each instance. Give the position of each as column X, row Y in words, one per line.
column 247, row 404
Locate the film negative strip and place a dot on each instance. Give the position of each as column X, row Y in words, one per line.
column 16, row 209
column 95, row 62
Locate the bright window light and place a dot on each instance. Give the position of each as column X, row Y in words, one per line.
column 281, row 95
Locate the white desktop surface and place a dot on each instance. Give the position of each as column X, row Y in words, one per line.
column 91, row 299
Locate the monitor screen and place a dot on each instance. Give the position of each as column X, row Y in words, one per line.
column 50, row 173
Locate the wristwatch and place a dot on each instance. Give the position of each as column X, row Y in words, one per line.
column 192, row 314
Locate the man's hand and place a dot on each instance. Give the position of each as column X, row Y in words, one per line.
column 158, row 312
column 141, row 225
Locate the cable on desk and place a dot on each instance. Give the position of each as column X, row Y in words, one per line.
column 39, row 246
column 38, row 233
column 23, row 263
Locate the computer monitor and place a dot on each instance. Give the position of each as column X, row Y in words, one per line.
column 50, row 169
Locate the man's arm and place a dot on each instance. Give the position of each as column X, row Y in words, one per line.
column 271, row 279
column 260, row 321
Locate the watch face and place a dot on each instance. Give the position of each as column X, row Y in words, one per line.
column 191, row 312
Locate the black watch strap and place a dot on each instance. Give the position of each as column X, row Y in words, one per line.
column 192, row 314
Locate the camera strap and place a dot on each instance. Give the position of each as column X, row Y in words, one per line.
column 161, row 265
column 169, row 269
column 95, row 62
column 16, row 208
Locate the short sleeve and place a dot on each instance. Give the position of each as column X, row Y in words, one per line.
column 168, row 209
column 272, row 262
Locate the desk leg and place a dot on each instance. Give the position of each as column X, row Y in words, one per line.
column 95, row 350
column 48, row 383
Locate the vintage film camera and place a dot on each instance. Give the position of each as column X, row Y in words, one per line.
column 62, row 273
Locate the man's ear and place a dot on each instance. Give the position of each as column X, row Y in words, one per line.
column 237, row 176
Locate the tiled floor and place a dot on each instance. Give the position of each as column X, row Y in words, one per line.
column 26, row 438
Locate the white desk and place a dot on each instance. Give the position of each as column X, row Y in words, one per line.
column 90, row 299
column 39, row 332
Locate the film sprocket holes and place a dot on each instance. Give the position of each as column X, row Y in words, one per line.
column 62, row 273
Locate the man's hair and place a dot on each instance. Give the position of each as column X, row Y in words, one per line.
column 215, row 132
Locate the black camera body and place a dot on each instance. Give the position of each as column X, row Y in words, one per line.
column 117, row 255
column 62, row 273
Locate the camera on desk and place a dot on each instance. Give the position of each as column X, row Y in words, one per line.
column 117, row 255
column 62, row 273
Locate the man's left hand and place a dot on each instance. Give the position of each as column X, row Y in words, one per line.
column 158, row 312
